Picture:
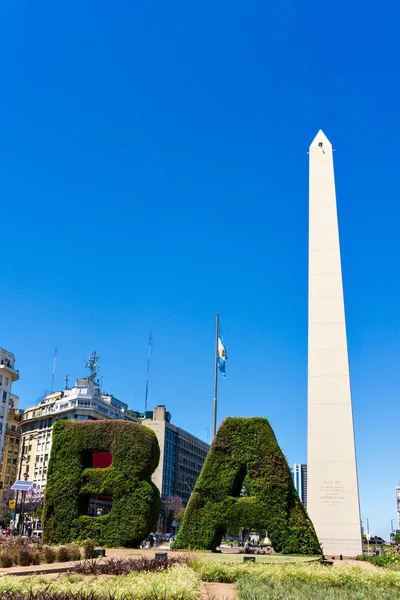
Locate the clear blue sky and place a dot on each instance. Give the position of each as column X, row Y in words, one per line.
column 154, row 171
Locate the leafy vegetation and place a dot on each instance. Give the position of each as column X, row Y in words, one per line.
column 387, row 560
column 246, row 447
column 71, row 481
column 310, row 573
column 177, row 583
column 249, row 588
column 122, row 566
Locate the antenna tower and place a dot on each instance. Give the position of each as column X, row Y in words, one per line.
column 91, row 364
column 148, row 370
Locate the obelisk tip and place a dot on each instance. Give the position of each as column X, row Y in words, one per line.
column 320, row 140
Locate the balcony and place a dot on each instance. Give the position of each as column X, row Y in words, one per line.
column 6, row 368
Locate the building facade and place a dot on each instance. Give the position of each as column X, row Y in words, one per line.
column 300, row 481
column 8, row 374
column 182, row 455
column 9, row 460
column 84, row 401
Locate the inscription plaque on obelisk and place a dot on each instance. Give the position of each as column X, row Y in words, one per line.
column 332, row 496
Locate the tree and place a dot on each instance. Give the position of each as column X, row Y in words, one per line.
column 396, row 538
column 172, row 509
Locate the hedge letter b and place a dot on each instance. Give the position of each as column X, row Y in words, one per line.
column 245, row 451
column 99, row 483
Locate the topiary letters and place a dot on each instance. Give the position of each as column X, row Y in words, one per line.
column 246, row 447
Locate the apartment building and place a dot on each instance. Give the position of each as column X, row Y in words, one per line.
column 83, row 401
column 8, row 374
column 182, row 455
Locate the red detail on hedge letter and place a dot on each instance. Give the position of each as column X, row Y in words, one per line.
column 101, row 460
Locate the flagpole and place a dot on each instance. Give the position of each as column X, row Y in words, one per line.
column 214, row 429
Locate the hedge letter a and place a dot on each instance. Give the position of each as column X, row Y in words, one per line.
column 245, row 456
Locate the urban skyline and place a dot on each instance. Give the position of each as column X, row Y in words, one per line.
column 146, row 188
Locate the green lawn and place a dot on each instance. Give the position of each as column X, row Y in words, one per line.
column 260, row 558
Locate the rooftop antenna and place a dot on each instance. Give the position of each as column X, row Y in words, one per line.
column 54, row 371
column 66, row 381
column 148, row 370
column 91, row 364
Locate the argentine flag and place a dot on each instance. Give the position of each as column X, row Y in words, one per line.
column 221, row 356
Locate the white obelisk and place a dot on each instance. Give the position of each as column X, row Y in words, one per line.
column 332, row 496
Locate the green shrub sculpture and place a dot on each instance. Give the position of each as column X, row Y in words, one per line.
column 246, row 448
column 73, row 483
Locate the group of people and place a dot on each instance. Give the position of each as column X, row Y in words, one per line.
column 251, row 546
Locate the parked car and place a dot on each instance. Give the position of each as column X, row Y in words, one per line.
column 37, row 534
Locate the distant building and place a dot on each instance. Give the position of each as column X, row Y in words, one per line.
column 9, row 463
column 300, row 481
column 8, row 374
column 181, row 455
column 84, row 401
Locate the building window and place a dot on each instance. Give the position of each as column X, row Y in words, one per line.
column 4, row 396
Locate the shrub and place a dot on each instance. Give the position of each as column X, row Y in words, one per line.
column 36, row 557
column 178, row 583
column 249, row 588
column 6, row 560
column 122, row 566
column 246, row 449
column 74, row 552
column 49, row 554
column 25, row 557
column 71, row 480
column 88, row 548
column 63, row 554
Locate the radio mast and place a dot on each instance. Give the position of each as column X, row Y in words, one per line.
column 148, row 370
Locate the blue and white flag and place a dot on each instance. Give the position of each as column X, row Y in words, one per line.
column 222, row 357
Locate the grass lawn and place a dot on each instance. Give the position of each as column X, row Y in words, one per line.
column 273, row 559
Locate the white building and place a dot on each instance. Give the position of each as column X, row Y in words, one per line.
column 8, row 374
column 84, row 401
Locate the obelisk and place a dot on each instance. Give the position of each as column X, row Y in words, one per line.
column 333, row 501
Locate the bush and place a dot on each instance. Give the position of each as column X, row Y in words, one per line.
column 71, row 480
column 387, row 560
column 74, row 552
column 122, row 566
column 36, row 557
column 246, row 449
column 6, row 561
column 49, row 555
column 88, row 548
column 63, row 554
column 249, row 588
column 178, row 583
column 25, row 557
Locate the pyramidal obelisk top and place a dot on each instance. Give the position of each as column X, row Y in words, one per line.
column 332, row 495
